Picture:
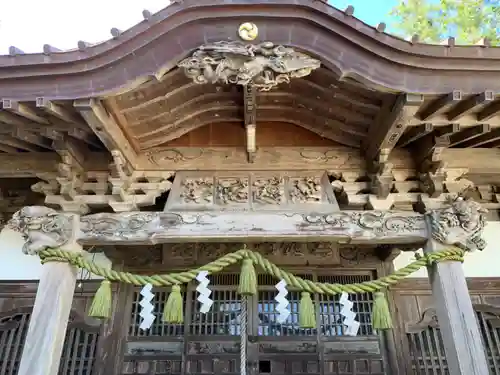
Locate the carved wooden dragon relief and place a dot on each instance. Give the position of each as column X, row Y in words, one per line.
column 263, row 65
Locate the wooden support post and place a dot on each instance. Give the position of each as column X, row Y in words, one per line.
column 49, row 319
column 465, row 353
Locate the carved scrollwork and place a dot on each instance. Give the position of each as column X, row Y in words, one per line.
column 264, row 65
column 460, row 224
column 378, row 222
column 41, row 228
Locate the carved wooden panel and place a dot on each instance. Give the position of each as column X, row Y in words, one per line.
column 251, row 191
column 187, row 255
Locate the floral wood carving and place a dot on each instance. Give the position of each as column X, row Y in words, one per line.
column 269, row 191
column 41, row 228
column 264, row 65
column 460, row 224
column 198, row 190
column 232, row 190
column 305, row 190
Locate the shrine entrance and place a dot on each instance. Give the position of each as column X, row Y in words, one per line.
column 210, row 343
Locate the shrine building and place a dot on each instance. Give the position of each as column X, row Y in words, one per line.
column 250, row 188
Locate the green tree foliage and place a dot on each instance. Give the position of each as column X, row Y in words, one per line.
column 435, row 20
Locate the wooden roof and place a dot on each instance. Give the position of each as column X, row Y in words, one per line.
column 343, row 43
column 93, row 116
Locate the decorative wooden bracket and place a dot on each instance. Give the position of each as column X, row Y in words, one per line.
column 430, row 165
column 383, row 136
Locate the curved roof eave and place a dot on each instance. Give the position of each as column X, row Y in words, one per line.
column 343, row 43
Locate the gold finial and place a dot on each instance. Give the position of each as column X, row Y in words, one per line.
column 248, row 31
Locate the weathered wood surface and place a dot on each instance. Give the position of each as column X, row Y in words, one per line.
column 464, row 349
column 49, row 319
column 44, row 227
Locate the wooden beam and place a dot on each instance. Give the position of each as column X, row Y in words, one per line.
column 415, row 133
column 447, row 130
column 489, row 111
column 483, row 140
column 8, row 149
column 469, row 105
column 465, row 352
column 106, row 128
column 390, row 124
column 440, row 105
column 32, row 138
column 23, row 110
column 59, row 111
column 353, row 227
column 84, row 136
column 22, row 145
column 468, row 134
column 44, row 342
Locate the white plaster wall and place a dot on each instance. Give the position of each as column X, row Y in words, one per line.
column 15, row 265
column 484, row 263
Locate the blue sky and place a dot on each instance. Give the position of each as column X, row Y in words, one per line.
column 28, row 24
column 370, row 11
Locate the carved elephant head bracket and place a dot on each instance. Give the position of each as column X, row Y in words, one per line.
column 263, row 65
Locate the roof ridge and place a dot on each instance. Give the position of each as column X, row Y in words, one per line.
column 152, row 18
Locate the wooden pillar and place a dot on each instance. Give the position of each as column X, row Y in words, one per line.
column 49, row 319
column 459, row 224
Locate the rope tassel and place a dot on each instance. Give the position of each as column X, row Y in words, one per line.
column 248, row 279
column 173, row 312
column 381, row 316
column 101, row 304
column 307, row 314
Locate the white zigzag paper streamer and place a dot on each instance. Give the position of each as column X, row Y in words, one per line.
column 352, row 325
column 147, row 307
column 204, row 292
column 282, row 306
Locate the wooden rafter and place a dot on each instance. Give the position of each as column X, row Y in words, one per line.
column 59, row 112
column 440, row 105
column 390, row 124
column 470, row 105
column 415, row 133
column 468, row 134
column 22, row 110
column 105, row 127
column 483, row 140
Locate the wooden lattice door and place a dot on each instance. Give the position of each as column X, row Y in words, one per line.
column 205, row 344
column 427, row 353
column 79, row 349
column 285, row 348
column 209, row 344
